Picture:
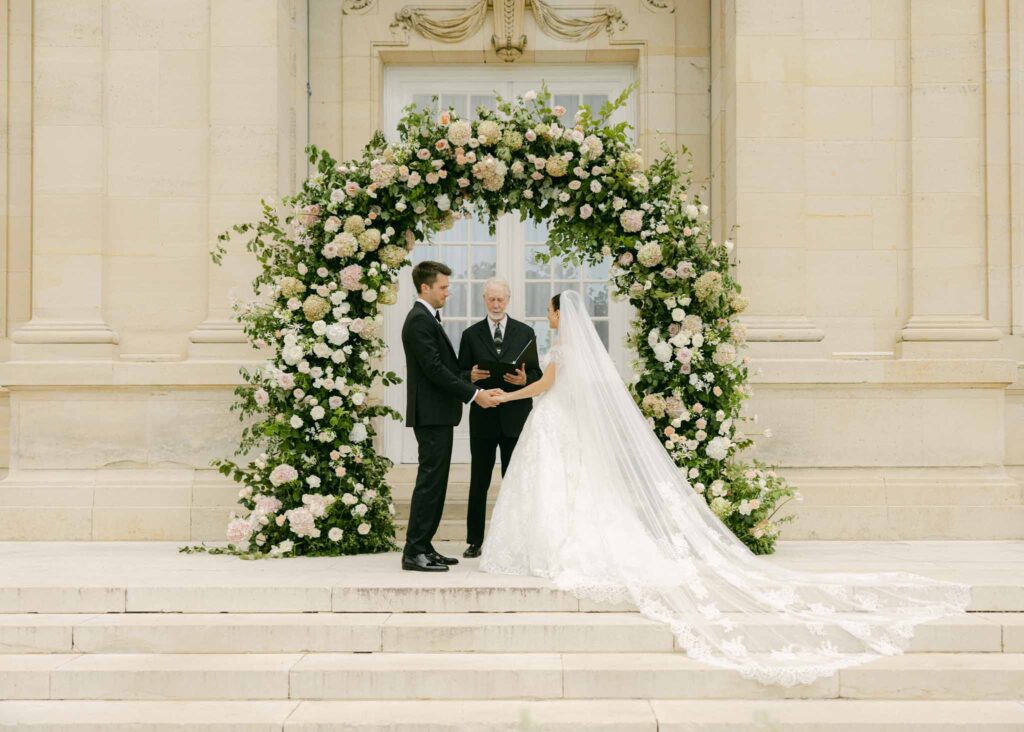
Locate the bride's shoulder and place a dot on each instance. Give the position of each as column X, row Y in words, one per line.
column 554, row 354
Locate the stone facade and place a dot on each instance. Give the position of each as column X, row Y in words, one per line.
column 865, row 155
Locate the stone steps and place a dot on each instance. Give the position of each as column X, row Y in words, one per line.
column 839, row 715
column 835, row 715
column 240, row 633
column 397, row 592
column 324, row 676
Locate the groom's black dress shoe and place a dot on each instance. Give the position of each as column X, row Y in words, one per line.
column 472, row 551
column 442, row 559
column 422, row 563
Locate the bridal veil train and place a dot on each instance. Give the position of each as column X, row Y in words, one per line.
column 593, row 502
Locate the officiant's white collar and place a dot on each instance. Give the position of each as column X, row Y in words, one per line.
column 430, row 308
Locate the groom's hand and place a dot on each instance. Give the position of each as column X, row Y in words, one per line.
column 478, row 374
column 517, row 378
column 486, row 399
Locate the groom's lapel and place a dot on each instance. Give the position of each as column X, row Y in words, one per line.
column 440, row 327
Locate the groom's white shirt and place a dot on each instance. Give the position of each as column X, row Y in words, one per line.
column 433, row 313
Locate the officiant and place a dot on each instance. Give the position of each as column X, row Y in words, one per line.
column 496, row 338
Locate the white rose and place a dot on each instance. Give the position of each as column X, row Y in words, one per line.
column 319, row 327
column 317, row 412
column 335, row 534
column 369, row 295
column 678, row 314
column 358, row 433
column 337, row 334
column 663, row 351
column 295, row 421
column 363, row 529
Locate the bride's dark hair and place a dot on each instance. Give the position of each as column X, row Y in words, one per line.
column 556, row 302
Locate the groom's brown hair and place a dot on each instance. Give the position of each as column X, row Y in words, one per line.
column 425, row 273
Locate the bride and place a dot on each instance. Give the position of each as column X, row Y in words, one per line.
column 593, row 502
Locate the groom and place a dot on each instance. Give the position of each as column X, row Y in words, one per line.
column 434, row 394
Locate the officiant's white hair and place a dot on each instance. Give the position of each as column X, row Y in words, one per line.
column 497, row 282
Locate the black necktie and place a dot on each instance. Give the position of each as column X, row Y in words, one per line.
column 497, row 337
column 437, row 315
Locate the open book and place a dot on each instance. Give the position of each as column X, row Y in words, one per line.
column 528, row 355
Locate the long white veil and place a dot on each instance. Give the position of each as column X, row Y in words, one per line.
column 653, row 540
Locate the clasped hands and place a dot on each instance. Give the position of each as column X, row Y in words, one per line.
column 488, row 398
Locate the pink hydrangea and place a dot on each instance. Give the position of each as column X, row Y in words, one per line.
column 351, row 277
column 632, row 220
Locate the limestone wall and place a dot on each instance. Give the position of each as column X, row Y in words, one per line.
column 865, row 155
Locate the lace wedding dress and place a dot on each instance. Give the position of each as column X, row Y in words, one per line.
column 592, row 501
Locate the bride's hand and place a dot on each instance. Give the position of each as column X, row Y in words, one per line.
column 500, row 396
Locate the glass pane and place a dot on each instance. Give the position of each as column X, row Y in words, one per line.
column 597, row 300
column 544, row 334
column 484, row 261
column 485, row 100
column 536, row 232
column 594, row 101
column 456, row 102
column 598, row 271
column 454, row 330
column 571, row 102
column 602, row 330
column 565, row 270
column 478, row 231
column 476, row 301
column 535, row 270
column 424, row 252
column 455, row 307
column 455, row 257
column 537, row 296
column 425, row 100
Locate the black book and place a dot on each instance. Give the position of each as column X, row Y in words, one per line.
column 499, row 368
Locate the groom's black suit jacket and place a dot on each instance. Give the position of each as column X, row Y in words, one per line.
column 477, row 345
column 435, row 391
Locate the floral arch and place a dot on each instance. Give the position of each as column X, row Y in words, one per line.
column 333, row 259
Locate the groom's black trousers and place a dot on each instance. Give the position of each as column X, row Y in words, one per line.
column 435, row 457
column 483, row 449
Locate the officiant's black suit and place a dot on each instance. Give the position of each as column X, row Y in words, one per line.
column 491, row 430
column 435, row 393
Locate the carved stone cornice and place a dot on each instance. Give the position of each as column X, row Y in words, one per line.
column 356, row 7
column 436, row 23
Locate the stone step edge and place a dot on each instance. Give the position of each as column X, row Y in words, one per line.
column 353, row 677
column 352, row 599
column 419, row 632
column 617, row 715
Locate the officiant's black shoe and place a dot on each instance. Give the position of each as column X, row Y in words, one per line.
column 422, row 563
column 442, row 559
column 472, row 552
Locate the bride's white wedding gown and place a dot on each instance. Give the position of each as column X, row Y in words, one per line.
column 592, row 501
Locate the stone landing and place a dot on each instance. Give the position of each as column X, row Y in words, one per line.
column 135, row 636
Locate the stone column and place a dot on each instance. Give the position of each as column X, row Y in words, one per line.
column 948, row 258
column 257, row 99
column 68, row 186
column 759, row 148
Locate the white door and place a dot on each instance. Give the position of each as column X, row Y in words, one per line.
column 475, row 255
